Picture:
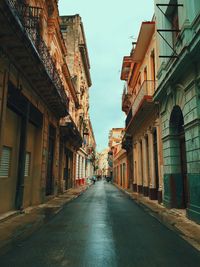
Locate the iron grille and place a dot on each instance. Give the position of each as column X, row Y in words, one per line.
column 29, row 18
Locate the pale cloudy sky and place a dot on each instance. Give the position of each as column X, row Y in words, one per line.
column 110, row 27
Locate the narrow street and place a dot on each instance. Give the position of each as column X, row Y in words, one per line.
column 103, row 227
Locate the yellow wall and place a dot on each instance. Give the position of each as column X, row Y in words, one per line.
column 11, row 140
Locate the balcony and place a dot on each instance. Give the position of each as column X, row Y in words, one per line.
column 70, row 132
column 127, row 142
column 21, row 41
column 145, row 92
column 142, row 104
column 126, row 101
column 126, row 66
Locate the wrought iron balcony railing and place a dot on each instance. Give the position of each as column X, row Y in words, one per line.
column 29, row 18
column 146, row 89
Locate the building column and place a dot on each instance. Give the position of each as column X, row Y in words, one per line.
column 84, row 170
column 145, row 167
column 80, row 169
column 76, row 166
column 139, row 168
column 134, row 167
column 152, row 174
column 74, row 169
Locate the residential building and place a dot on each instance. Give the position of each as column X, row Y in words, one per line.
column 115, row 138
column 91, row 152
column 79, row 67
column 179, row 102
column 34, row 93
column 142, row 138
column 120, row 171
column 102, row 163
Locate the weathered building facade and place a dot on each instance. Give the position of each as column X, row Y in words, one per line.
column 115, row 139
column 178, row 95
column 33, row 99
column 142, row 138
column 39, row 134
column 91, row 153
column 102, row 163
column 120, row 171
column 79, row 66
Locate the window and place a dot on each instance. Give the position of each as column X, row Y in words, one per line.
column 27, row 164
column 64, row 28
column 153, row 68
column 5, row 162
column 145, row 74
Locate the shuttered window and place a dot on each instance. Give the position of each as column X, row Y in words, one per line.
column 5, row 161
column 27, row 164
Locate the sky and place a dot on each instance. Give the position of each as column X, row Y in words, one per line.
column 110, row 27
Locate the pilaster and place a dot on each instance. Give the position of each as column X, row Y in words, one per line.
column 139, row 168
column 145, row 166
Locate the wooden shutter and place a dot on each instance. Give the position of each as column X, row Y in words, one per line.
column 5, row 161
column 27, row 164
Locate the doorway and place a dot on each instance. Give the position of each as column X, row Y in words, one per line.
column 178, row 133
column 68, row 172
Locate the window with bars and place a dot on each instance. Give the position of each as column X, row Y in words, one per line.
column 5, row 161
column 27, row 164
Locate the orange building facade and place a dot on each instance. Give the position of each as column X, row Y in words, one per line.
column 39, row 136
column 79, row 66
column 142, row 139
column 120, row 172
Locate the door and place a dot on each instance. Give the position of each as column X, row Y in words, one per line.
column 29, row 187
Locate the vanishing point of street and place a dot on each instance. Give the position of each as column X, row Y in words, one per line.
column 103, row 227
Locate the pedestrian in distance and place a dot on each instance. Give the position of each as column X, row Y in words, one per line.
column 93, row 179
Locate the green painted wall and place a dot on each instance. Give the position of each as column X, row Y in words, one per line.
column 179, row 85
column 173, row 190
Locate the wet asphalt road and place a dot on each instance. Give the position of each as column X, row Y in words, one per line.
column 101, row 228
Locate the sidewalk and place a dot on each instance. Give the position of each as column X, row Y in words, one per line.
column 18, row 226
column 174, row 219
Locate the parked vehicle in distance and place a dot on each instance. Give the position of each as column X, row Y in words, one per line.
column 108, row 179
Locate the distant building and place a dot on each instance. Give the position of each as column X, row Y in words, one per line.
column 115, row 138
column 102, row 163
column 79, row 67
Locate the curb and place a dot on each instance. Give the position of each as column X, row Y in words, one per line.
column 33, row 220
column 166, row 218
